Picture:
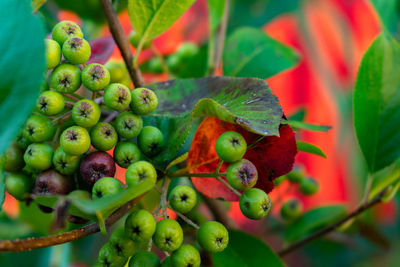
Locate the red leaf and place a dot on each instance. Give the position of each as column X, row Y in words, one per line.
column 102, row 50
column 273, row 156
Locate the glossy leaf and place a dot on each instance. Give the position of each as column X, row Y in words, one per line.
column 151, row 18
column 246, row 250
column 308, row 126
column 313, row 220
column 388, row 11
column 23, row 56
column 102, row 50
column 247, row 102
column 376, row 102
column 249, row 52
column 389, row 176
column 310, row 148
column 2, row 180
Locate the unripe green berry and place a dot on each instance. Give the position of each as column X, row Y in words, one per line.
column 38, row 156
column 19, row 185
column 76, row 50
column 118, row 72
column 155, row 65
column 124, row 246
column 50, row 103
column 182, row 198
column 64, row 30
column 66, row 78
column 296, row 175
column 38, row 128
column 117, row 96
column 108, row 256
column 14, row 158
column 187, row 50
column 242, row 175
column 86, row 113
column 140, row 225
column 75, row 140
column 291, row 209
column 140, row 172
column 213, row 236
column 185, row 256
column 144, row 258
column 309, row 186
column 134, row 39
column 150, row 140
column 168, row 235
column 231, row 146
column 128, row 125
column 53, row 53
column 144, row 101
column 65, row 163
column 95, row 77
column 80, row 194
column 103, row 136
column 126, row 153
column 106, row 186
column 255, row 204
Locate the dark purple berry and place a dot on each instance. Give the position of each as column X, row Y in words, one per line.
column 97, row 165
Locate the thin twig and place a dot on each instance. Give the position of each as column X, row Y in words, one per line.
column 187, row 220
column 122, row 42
column 111, row 116
column 229, row 186
column 164, row 191
column 219, row 212
column 221, row 34
column 201, row 174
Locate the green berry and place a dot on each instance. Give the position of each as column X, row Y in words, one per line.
column 296, row 175
column 134, row 38
column 124, row 246
column 128, row 125
column 150, row 140
column 242, row 174
column 174, row 62
column 140, row 172
column 291, row 209
column 86, row 113
column 14, row 158
column 22, row 140
column 168, row 235
column 144, row 101
column 144, row 258
column 155, row 65
column 213, row 236
column 19, row 185
column 76, row 50
column 66, row 78
column 126, row 153
column 38, row 156
column 75, row 140
column 106, row 186
column 53, row 53
column 103, row 136
column 38, row 128
column 95, row 77
column 182, row 198
column 185, row 256
column 255, row 204
column 65, row 163
column 80, row 194
column 65, row 30
column 309, row 186
column 187, row 50
column 118, row 72
column 117, row 96
column 231, row 146
column 50, row 103
column 140, row 225
column 109, row 257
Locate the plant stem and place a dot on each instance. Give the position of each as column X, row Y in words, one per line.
column 201, row 174
column 122, row 42
column 255, row 142
column 157, row 53
column 63, row 117
column 187, row 220
column 221, row 34
column 164, row 191
column 367, row 190
column 111, row 116
column 328, row 229
column 219, row 212
column 72, row 97
column 229, row 186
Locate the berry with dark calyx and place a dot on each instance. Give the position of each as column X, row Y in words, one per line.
column 140, row 225
column 75, row 140
column 296, row 175
column 168, row 235
column 97, row 165
column 134, row 39
column 95, row 77
column 309, row 186
column 66, row 78
column 53, row 53
column 19, row 185
column 117, row 96
column 38, row 128
column 50, row 103
column 51, row 182
column 255, row 204
column 64, row 30
column 124, row 246
column 106, row 186
column 182, row 198
column 109, row 257
column 150, row 140
column 140, row 172
column 86, row 113
column 144, row 101
column 126, row 153
column 231, row 146
column 14, row 158
column 144, row 258
column 213, row 236
column 242, row 175
column 65, row 163
column 76, row 50
column 38, row 156
column 118, row 72
column 291, row 209
column 186, row 255
column 103, row 136
column 128, row 125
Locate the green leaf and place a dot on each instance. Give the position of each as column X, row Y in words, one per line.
column 23, row 57
column 249, row 52
column 377, row 102
column 39, row 221
column 247, row 102
column 308, row 126
column 388, row 13
column 310, row 148
column 299, row 115
column 151, row 18
column 12, row 228
column 313, row 220
column 246, row 250
column 36, row 4
column 2, row 180
column 384, row 178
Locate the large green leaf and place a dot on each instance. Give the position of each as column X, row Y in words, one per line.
column 377, row 103
column 389, row 176
column 151, row 18
column 248, row 102
column 22, row 63
column 246, row 250
column 388, row 11
column 312, row 220
column 249, row 52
